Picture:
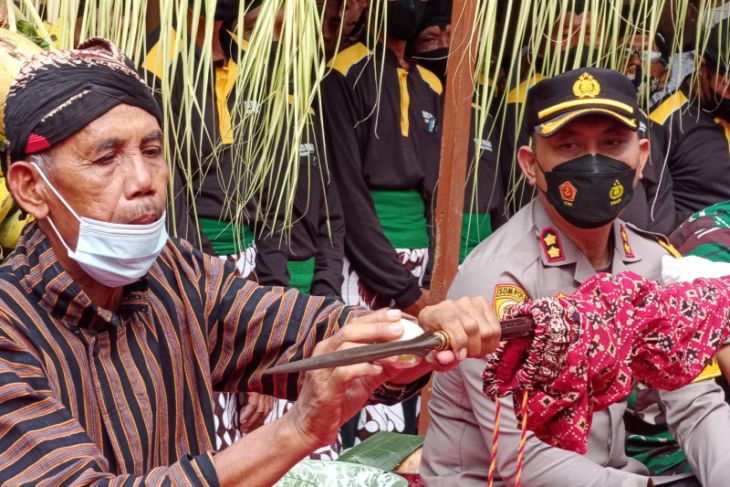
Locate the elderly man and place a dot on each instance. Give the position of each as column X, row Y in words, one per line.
column 586, row 160
column 113, row 336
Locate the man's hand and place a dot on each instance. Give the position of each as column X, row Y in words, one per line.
column 329, row 397
column 253, row 414
column 470, row 322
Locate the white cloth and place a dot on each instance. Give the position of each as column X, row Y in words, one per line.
column 691, row 267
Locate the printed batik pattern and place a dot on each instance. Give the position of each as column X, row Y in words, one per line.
column 589, row 347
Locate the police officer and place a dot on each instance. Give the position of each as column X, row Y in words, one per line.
column 586, row 160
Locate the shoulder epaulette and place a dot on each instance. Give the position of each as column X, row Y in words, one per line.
column 347, row 58
column 670, row 104
column 659, row 238
column 154, row 61
column 518, row 94
column 433, row 81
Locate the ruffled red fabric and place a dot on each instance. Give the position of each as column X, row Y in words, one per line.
column 590, row 346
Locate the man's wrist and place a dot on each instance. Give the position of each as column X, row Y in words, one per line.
column 393, row 393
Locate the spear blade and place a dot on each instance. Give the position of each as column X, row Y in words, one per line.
column 421, row 345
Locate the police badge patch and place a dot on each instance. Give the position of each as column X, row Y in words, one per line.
column 505, row 296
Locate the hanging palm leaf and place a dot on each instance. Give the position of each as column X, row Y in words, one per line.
column 515, row 40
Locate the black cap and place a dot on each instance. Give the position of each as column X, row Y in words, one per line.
column 555, row 101
column 438, row 13
column 716, row 52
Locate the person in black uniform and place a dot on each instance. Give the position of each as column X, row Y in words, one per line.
column 199, row 199
column 697, row 122
column 307, row 256
column 483, row 198
column 382, row 114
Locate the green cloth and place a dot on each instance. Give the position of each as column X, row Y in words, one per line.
column 402, row 216
column 225, row 237
column 475, row 227
column 656, row 447
column 301, row 274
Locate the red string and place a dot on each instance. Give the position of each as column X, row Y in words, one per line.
column 495, row 441
column 523, row 439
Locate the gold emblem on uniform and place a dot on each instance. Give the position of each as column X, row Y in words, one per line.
column 586, row 86
column 567, row 193
column 551, row 245
column 616, row 192
column 627, row 246
column 506, row 296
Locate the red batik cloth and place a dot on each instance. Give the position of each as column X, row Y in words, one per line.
column 590, row 346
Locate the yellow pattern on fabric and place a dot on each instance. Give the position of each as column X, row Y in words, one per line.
column 726, row 126
column 431, row 79
column 405, row 101
column 154, row 61
column 225, row 80
column 519, row 93
column 670, row 105
column 344, row 60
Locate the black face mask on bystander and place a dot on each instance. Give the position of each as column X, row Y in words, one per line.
column 435, row 61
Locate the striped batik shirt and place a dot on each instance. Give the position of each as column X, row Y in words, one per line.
column 130, row 404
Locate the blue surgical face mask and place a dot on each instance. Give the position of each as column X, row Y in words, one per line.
column 114, row 254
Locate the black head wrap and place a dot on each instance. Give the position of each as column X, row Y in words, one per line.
column 58, row 93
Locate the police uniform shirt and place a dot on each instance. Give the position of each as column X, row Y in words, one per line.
column 699, row 152
column 385, row 141
column 529, row 257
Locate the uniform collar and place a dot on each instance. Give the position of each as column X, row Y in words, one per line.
column 557, row 250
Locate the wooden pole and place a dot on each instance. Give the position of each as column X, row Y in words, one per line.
column 454, row 158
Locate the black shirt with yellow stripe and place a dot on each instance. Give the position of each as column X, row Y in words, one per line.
column 698, row 151
column 383, row 134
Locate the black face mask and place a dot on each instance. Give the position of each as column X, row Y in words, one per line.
column 434, row 61
column 404, row 18
column 590, row 191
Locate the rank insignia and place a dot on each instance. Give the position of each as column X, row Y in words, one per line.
column 505, row 296
column 551, row 245
column 616, row 192
column 567, row 193
column 586, row 86
column 627, row 246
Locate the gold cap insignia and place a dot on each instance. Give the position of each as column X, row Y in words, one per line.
column 586, row 86
column 616, row 192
